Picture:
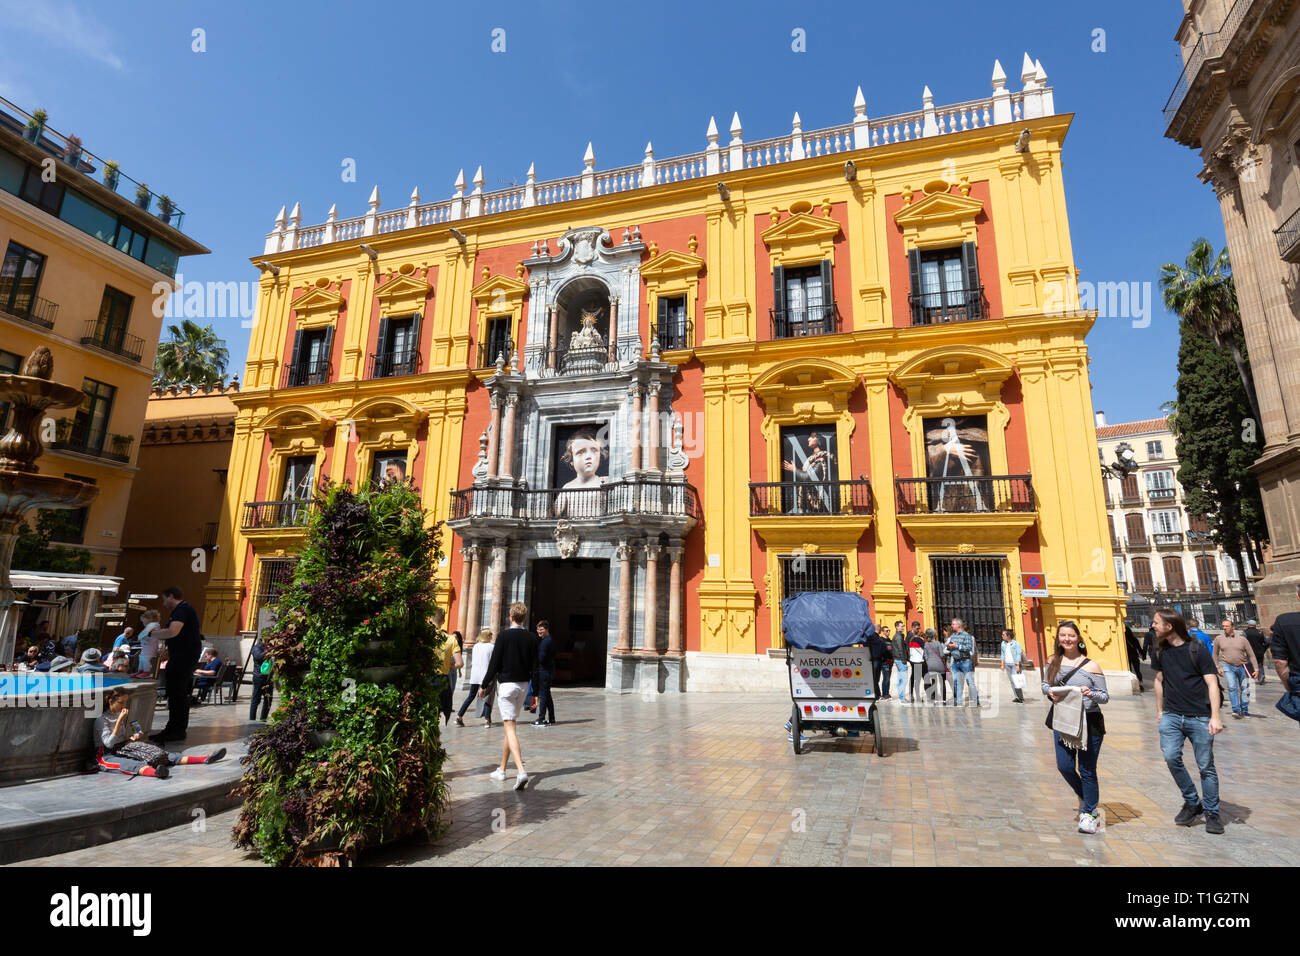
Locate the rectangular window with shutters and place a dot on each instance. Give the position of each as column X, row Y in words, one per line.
column 310, row 363
column 1142, row 575
column 945, row 285
column 1165, row 522
column 1121, row 571
column 497, row 342
column 1135, row 528
column 1155, row 450
column 1207, row 573
column 1173, row 568
column 397, row 347
column 1128, row 489
column 803, row 302
column 1160, row 485
column 672, row 330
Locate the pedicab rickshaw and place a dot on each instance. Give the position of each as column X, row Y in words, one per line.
column 829, row 661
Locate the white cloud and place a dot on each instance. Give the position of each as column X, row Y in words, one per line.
column 61, row 24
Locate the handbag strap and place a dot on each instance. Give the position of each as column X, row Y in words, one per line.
column 1061, row 683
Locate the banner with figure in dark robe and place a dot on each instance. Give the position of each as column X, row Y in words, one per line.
column 957, row 447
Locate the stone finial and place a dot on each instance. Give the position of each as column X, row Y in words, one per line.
column 486, row 272
column 927, row 98
column 532, row 253
column 648, row 166
column 692, row 243
column 861, row 126
column 519, row 269
column 589, row 157
column 964, row 186
column 1027, row 70
column 415, row 196
column 333, row 213
column 459, row 184
column 999, row 76
column 712, row 131
column 654, row 349
column 295, row 217
column 827, row 207
column 479, row 180
column 796, row 137
column 500, row 362
column 929, row 124
column 532, row 172
column 373, row 202
column 859, row 104
column 1039, row 73
column 627, row 235
column 281, row 220
column 636, row 233
column 736, row 129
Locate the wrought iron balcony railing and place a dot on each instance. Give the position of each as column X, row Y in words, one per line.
column 392, row 364
column 106, row 338
column 1210, row 46
column 306, row 373
column 618, row 498
column 676, row 335
column 489, row 350
column 997, row 493
column 563, row 360
column 286, row 513
column 33, row 309
column 84, row 440
column 810, row 498
column 1169, row 539
column 1288, row 237
column 798, row 323
column 955, row 305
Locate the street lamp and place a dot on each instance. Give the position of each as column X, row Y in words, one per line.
column 1125, row 462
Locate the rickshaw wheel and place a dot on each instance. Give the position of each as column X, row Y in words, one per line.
column 878, row 731
column 796, row 728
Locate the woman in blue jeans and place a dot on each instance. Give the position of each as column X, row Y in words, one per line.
column 1069, row 666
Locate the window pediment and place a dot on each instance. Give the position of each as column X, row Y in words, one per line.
column 500, row 293
column 802, row 238
column 296, row 421
column 801, row 391
column 940, row 219
column 402, row 293
column 672, row 265
column 945, row 370
column 318, row 307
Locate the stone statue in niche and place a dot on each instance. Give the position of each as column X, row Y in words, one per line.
column 587, row 350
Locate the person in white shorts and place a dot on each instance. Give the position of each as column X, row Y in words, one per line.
column 513, row 665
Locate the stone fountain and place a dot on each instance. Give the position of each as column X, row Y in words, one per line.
column 22, row 487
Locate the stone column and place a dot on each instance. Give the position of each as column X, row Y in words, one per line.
column 494, row 435
column 474, row 595
column 625, row 592
column 555, row 336
column 498, row 585
column 650, row 645
column 613, row 328
column 652, row 440
column 634, row 429
column 462, row 601
column 675, row 601
column 508, row 437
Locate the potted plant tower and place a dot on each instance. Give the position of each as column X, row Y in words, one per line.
column 352, row 757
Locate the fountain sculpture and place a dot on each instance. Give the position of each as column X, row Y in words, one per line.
column 22, row 487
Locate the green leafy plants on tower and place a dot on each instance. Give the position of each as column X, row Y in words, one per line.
column 352, row 758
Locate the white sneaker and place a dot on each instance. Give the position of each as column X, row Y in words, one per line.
column 521, row 781
column 1087, row 823
column 498, row 774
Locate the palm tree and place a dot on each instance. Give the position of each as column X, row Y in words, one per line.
column 1203, row 293
column 193, row 355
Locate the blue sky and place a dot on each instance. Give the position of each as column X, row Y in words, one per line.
column 285, row 92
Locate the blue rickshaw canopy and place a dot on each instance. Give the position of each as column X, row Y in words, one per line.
column 826, row 620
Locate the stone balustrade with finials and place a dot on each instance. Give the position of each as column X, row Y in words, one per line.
column 1003, row 106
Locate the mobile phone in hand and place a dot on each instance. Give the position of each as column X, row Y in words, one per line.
column 136, row 728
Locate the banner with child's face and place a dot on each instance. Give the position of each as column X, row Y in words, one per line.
column 581, row 454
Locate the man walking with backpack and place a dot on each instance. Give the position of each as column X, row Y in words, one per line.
column 1187, row 708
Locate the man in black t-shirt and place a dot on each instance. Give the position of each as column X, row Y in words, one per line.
column 1187, row 708
column 184, row 641
column 1258, row 644
column 1285, row 645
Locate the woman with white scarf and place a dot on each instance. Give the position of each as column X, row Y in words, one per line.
column 1077, row 688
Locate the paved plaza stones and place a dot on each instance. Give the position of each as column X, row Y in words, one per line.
column 710, row 779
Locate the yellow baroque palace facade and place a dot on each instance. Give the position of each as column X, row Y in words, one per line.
column 653, row 401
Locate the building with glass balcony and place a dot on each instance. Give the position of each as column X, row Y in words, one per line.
column 653, row 401
column 83, row 267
